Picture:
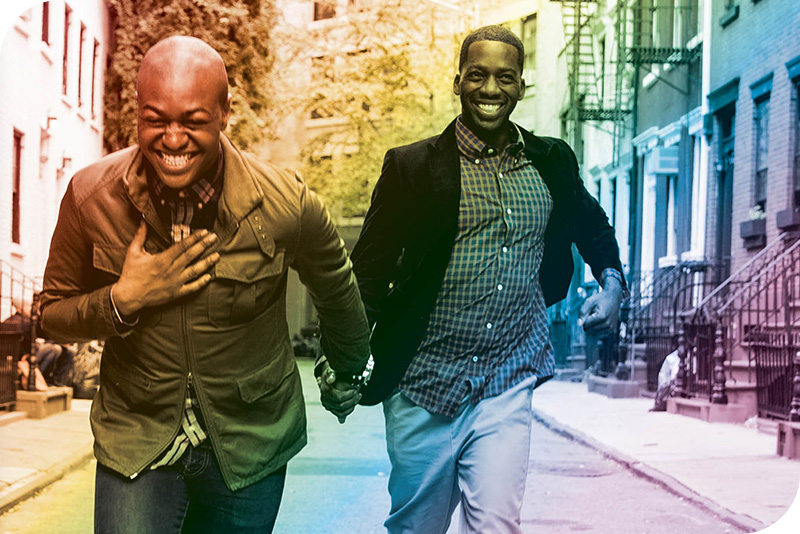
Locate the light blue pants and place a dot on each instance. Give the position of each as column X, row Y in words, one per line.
column 478, row 459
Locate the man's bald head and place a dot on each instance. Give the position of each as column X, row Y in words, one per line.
column 183, row 108
column 181, row 55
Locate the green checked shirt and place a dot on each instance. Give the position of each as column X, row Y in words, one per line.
column 488, row 330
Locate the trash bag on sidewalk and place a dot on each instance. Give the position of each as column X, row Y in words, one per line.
column 666, row 381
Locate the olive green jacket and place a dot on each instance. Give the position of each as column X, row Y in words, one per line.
column 229, row 339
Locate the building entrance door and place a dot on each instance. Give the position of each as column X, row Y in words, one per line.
column 724, row 168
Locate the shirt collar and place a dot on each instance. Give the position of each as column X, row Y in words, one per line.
column 471, row 146
column 203, row 190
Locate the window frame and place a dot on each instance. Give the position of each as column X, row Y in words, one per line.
column 65, row 55
column 761, row 117
column 46, row 23
column 81, row 40
column 16, row 186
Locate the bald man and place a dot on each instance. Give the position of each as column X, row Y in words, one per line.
column 175, row 252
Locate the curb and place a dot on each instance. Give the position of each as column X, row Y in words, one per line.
column 40, row 480
column 642, row 470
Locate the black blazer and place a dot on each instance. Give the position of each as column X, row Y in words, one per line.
column 408, row 234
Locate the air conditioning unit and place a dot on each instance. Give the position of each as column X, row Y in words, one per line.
column 663, row 160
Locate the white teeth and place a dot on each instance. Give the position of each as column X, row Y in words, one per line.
column 489, row 108
column 175, row 161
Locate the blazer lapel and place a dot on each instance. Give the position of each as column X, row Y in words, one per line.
column 445, row 174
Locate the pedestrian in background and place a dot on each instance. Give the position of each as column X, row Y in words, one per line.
column 467, row 240
column 175, row 253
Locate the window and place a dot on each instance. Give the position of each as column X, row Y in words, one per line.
column 16, row 175
column 730, row 14
column 672, row 199
column 797, row 145
column 65, row 59
column 324, row 10
column 663, row 23
column 95, row 54
column 46, row 23
column 529, row 42
column 686, row 22
column 322, row 69
column 613, row 186
column 80, row 64
column 762, row 151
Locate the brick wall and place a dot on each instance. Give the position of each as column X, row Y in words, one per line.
column 759, row 42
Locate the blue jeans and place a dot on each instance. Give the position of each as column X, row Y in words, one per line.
column 478, row 459
column 187, row 497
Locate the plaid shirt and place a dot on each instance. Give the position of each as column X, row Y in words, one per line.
column 488, row 329
column 188, row 209
column 191, row 208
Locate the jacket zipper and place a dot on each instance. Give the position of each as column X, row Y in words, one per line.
column 188, row 387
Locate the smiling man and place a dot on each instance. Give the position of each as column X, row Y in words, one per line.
column 176, row 253
column 467, row 240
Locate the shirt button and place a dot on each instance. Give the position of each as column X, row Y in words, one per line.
column 505, row 249
column 499, row 287
column 499, row 174
column 488, row 326
column 475, row 359
column 477, row 162
column 508, row 210
column 490, row 151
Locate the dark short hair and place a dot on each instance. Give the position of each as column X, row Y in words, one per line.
column 492, row 33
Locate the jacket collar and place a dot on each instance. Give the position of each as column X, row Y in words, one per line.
column 240, row 192
column 444, row 161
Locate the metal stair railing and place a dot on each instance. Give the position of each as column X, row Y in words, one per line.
column 653, row 318
column 16, row 290
column 741, row 316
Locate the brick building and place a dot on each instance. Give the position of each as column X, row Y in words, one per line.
column 753, row 126
column 52, row 65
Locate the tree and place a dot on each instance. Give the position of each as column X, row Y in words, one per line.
column 240, row 30
column 381, row 76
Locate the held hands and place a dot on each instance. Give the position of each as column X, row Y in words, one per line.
column 152, row 279
column 338, row 397
column 600, row 312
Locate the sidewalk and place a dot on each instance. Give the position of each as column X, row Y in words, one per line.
column 37, row 452
column 730, row 469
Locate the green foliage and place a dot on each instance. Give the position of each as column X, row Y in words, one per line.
column 380, row 77
column 240, row 30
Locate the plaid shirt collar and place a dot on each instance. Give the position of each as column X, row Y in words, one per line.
column 471, row 146
column 203, row 190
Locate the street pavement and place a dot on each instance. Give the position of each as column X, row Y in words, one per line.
column 657, row 472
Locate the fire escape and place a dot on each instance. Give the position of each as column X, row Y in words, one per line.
column 737, row 338
column 594, row 95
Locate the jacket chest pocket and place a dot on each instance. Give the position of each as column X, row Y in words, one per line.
column 246, row 283
column 107, row 262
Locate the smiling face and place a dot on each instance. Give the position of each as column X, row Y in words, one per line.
column 183, row 107
column 490, row 85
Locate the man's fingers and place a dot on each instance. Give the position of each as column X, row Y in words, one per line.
column 339, row 411
column 186, row 250
column 340, row 402
column 196, row 269
column 137, row 244
column 196, row 285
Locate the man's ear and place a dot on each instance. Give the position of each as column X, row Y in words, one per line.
column 521, row 89
column 457, row 84
column 226, row 113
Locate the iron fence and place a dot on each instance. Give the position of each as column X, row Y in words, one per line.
column 10, row 352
